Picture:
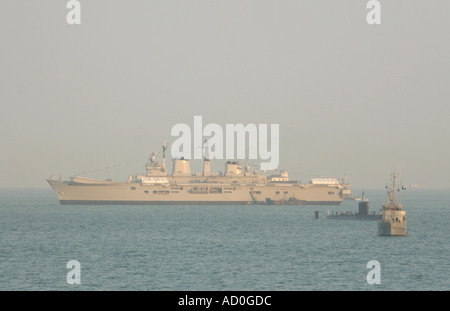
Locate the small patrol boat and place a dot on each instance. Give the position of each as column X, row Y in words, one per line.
column 393, row 215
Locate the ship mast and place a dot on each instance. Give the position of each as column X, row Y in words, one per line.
column 393, row 199
column 393, row 187
column 164, row 146
column 206, row 161
column 391, row 190
column 206, row 150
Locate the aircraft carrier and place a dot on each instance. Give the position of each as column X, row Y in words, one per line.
column 238, row 185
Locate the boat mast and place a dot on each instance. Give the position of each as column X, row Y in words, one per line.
column 400, row 188
column 393, row 187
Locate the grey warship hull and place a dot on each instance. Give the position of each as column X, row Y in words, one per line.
column 111, row 193
column 391, row 229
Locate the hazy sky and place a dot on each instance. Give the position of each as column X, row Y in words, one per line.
column 350, row 98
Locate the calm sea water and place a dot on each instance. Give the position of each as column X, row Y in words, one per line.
column 219, row 247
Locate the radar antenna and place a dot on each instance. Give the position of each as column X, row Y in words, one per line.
column 152, row 157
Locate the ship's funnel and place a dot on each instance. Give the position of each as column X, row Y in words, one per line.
column 181, row 167
column 206, row 167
